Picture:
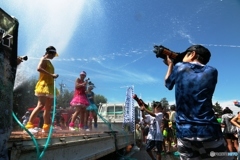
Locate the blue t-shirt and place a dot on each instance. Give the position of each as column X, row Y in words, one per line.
column 194, row 88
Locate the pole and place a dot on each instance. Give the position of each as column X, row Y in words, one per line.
column 135, row 147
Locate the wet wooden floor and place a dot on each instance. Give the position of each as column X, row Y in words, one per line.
column 60, row 133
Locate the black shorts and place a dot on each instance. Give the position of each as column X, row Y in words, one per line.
column 153, row 143
column 230, row 136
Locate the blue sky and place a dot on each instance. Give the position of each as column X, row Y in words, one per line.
column 113, row 41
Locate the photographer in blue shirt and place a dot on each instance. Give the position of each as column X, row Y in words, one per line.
column 199, row 134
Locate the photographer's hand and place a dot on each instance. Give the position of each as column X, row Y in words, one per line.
column 168, row 61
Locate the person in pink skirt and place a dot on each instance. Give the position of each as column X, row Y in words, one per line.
column 80, row 102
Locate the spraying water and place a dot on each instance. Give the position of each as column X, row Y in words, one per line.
column 48, row 27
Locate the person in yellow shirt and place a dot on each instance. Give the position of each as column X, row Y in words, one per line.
column 44, row 90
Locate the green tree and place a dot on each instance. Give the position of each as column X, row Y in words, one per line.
column 99, row 99
column 24, row 96
column 165, row 103
column 64, row 98
column 217, row 108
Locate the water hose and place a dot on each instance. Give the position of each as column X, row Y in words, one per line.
column 40, row 155
column 51, row 127
column 31, row 135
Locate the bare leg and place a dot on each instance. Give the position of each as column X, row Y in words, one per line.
column 229, row 145
column 86, row 119
column 40, row 105
column 82, row 116
column 235, row 143
column 46, row 114
column 169, row 144
column 94, row 117
column 90, row 120
column 75, row 114
column 164, row 145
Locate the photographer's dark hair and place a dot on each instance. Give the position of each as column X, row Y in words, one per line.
column 202, row 52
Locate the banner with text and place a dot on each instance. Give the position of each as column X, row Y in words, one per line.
column 129, row 111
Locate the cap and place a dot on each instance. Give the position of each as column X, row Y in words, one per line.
column 203, row 52
column 52, row 49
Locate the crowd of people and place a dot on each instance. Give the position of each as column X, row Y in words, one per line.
column 198, row 132
column 164, row 125
column 230, row 125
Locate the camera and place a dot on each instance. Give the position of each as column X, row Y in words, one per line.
column 163, row 52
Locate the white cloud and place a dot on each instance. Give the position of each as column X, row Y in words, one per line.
column 228, row 103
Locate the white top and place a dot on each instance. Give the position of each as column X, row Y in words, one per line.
column 155, row 132
column 172, row 117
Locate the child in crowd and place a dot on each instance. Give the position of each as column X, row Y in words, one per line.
column 166, row 133
column 155, row 137
column 138, row 136
column 229, row 130
column 172, row 125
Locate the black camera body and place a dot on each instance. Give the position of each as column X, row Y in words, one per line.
column 163, row 52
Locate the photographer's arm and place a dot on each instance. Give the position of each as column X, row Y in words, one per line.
column 168, row 62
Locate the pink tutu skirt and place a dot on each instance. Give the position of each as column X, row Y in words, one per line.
column 79, row 100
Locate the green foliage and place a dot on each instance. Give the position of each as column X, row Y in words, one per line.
column 99, row 99
column 64, row 98
column 23, row 96
column 217, row 108
column 165, row 103
column 150, row 108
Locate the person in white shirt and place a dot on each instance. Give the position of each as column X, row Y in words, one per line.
column 155, row 137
